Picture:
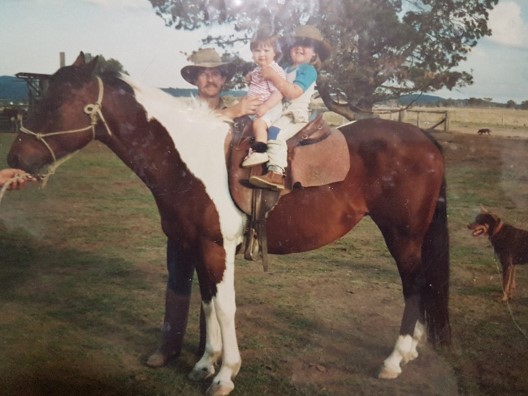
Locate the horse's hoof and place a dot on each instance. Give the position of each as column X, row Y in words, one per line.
column 387, row 373
column 219, row 389
column 200, row 374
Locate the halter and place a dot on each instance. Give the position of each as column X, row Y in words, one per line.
column 93, row 110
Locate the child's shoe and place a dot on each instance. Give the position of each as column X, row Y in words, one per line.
column 254, row 158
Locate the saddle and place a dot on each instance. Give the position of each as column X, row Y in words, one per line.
column 317, row 155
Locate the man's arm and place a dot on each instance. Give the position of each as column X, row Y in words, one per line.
column 245, row 106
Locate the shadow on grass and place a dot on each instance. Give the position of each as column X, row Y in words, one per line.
column 79, row 323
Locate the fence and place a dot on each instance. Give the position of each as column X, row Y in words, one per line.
column 426, row 119
column 7, row 124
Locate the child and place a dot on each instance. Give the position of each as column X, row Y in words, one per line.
column 264, row 51
column 306, row 49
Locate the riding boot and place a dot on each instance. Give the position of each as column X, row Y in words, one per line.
column 174, row 326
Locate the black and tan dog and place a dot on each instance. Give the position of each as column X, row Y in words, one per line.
column 510, row 245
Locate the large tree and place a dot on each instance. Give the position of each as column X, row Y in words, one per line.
column 382, row 48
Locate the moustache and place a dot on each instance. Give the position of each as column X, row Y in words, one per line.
column 211, row 85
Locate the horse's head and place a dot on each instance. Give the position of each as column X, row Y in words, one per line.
column 62, row 121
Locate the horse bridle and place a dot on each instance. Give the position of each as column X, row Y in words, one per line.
column 93, row 110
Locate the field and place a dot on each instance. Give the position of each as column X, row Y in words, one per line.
column 83, row 277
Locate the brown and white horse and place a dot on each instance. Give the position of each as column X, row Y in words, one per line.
column 396, row 177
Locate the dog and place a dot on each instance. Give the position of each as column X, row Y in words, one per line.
column 509, row 243
column 483, row 131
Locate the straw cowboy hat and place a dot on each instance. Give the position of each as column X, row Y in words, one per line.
column 313, row 35
column 206, row 58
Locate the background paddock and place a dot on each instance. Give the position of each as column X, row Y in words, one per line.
column 83, row 279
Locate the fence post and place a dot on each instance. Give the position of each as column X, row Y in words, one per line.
column 401, row 116
column 447, row 123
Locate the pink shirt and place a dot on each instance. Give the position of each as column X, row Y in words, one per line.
column 261, row 87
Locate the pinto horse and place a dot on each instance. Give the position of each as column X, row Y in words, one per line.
column 396, row 177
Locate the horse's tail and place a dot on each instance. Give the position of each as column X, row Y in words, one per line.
column 435, row 256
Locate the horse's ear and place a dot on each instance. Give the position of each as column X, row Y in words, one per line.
column 80, row 61
column 92, row 65
column 483, row 209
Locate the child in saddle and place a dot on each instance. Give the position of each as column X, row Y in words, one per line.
column 306, row 49
column 265, row 52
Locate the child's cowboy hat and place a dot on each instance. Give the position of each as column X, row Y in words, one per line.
column 313, row 36
column 206, row 58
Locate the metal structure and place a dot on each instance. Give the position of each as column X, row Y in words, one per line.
column 37, row 84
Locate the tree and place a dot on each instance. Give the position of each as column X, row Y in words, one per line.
column 383, row 49
column 106, row 65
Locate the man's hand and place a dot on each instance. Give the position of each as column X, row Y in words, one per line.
column 261, row 110
column 17, row 178
column 245, row 106
column 250, row 104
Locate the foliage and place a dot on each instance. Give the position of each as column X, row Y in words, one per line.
column 106, row 65
column 382, row 48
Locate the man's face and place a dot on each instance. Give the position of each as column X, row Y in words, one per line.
column 210, row 83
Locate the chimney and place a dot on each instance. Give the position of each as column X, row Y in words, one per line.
column 62, row 59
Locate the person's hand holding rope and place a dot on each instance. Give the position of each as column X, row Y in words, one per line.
column 13, row 179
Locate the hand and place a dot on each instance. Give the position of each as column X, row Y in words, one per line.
column 249, row 105
column 17, row 178
column 268, row 72
column 261, row 110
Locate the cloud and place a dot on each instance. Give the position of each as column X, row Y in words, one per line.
column 507, row 25
column 124, row 4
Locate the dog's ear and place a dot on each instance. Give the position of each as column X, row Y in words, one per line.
column 483, row 209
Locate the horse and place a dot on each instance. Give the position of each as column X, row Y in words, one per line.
column 396, row 177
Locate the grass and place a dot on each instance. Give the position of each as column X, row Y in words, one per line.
column 83, row 275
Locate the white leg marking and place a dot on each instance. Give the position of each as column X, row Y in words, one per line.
column 404, row 351
column 391, row 366
column 225, row 307
column 204, row 368
column 419, row 331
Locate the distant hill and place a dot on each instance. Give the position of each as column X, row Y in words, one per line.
column 417, row 99
column 12, row 89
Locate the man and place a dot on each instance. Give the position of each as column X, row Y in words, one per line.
column 209, row 74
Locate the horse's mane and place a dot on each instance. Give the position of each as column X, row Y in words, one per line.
column 189, row 108
column 198, row 132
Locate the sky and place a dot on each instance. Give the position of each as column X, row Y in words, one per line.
column 34, row 32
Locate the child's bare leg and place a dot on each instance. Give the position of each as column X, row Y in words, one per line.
column 260, row 130
column 258, row 152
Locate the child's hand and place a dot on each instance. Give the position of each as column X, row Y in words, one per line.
column 248, row 78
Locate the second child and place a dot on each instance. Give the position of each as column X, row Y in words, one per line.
column 265, row 51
